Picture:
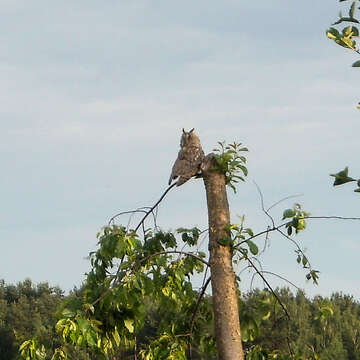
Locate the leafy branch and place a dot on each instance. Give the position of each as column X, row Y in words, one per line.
column 342, row 177
column 345, row 37
column 230, row 162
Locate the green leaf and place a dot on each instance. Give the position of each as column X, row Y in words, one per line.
column 355, row 31
column 326, row 311
column 225, row 241
column 68, row 313
column 83, row 324
column 314, row 275
column 249, row 231
column 80, row 340
column 346, row 19
column 91, row 338
column 333, row 32
column 356, row 64
column 288, row 213
column 346, row 42
column 352, row 9
column 116, row 336
column 342, row 177
column 244, row 169
column 89, row 307
column 24, row 344
column 253, row 247
column 129, row 323
column 59, row 354
column 304, row 261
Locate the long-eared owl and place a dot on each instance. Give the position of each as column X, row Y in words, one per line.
column 189, row 158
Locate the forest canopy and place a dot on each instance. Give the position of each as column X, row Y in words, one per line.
column 326, row 326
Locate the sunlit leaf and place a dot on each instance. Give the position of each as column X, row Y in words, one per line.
column 129, row 324
column 68, row 313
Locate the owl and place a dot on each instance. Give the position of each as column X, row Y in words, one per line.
column 189, row 158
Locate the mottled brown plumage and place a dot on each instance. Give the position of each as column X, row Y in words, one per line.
column 189, row 158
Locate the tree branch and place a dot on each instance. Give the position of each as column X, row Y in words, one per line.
column 154, row 206
column 170, row 252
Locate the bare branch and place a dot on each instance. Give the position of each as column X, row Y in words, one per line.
column 263, row 206
column 332, row 217
column 154, row 206
column 269, row 286
column 280, row 277
column 284, row 199
column 198, row 303
column 124, row 213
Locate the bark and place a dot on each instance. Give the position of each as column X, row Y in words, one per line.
column 224, row 291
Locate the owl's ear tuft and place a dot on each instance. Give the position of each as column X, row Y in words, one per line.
column 183, row 131
column 191, row 130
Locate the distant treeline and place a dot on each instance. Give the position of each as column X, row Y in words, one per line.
column 328, row 327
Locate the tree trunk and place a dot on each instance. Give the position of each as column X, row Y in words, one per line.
column 224, row 291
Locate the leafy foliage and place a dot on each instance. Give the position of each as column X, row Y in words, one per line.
column 31, row 349
column 319, row 328
column 342, row 177
column 125, row 274
column 230, row 161
column 132, row 277
column 298, row 219
column 298, row 223
column 27, row 311
column 345, row 37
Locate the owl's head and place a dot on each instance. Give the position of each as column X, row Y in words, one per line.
column 189, row 137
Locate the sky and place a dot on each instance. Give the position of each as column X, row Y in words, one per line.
column 94, row 96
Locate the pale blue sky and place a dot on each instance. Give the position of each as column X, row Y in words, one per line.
column 93, row 99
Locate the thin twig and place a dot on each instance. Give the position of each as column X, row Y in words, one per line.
column 260, row 271
column 331, row 217
column 154, row 206
column 279, row 301
column 265, row 242
column 280, row 277
column 124, row 213
column 290, row 239
column 269, row 286
column 196, row 310
column 284, row 199
column 198, row 303
column 296, row 245
column 259, row 234
column 263, row 206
